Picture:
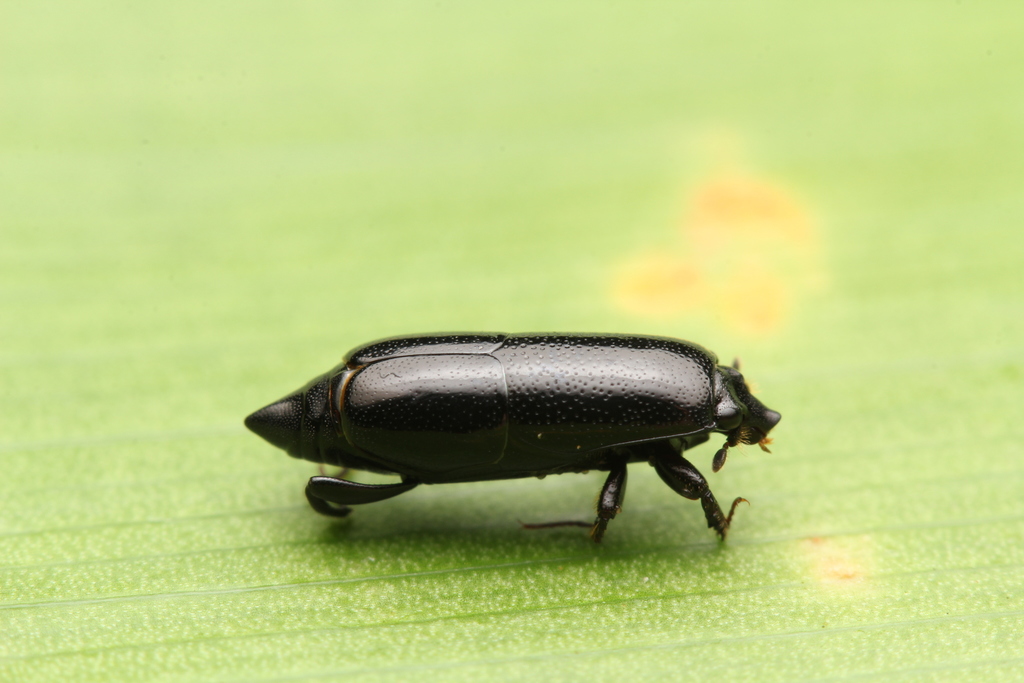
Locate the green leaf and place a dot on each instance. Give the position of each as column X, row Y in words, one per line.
column 203, row 206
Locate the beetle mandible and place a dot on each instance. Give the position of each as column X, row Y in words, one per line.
column 444, row 408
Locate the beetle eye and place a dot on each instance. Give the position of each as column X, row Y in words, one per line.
column 728, row 417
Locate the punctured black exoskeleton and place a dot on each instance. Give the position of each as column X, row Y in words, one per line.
column 444, row 408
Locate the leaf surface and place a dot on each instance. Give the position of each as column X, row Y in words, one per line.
column 203, row 206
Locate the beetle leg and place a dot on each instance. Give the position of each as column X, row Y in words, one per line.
column 609, row 503
column 325, row 508
column 552, row 525
column 683, row 478
column 323, row 491
column 340, row 474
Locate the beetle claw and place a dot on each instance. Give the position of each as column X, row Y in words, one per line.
column 721, row 523
column 598, row 529
column 732, row 509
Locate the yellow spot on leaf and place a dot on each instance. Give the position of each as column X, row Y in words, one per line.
column 746, row 250
column 740, row 207
column 660, row 285
column 838, row 563
column 753, row 300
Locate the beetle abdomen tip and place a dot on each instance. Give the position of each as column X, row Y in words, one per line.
column 279, row 422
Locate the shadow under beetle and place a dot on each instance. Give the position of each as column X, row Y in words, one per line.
column 443, row 408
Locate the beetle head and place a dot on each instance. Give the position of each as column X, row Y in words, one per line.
column 294, row 423
column 738, row 413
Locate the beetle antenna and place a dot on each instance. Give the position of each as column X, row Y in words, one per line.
column 719, row 461
column 736, row 363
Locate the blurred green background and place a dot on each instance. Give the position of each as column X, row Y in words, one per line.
column 204, row 205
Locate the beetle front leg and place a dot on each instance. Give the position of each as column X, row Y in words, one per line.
column 609, row 503
column 683, row 478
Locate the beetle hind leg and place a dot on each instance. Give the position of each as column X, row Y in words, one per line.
column 331, row 496
column 325, row 508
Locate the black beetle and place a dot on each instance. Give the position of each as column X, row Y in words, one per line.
column 444, row 408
